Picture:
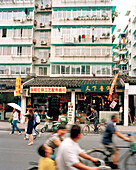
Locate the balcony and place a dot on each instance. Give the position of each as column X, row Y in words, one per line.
column 75, row 2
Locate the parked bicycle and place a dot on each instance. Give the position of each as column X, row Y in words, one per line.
column 89, row 128
column 129, row 156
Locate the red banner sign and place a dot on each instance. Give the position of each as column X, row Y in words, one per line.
column 47, row 89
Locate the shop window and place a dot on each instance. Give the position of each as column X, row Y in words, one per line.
column 4, row 32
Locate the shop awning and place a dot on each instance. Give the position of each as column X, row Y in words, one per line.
column 69, row 82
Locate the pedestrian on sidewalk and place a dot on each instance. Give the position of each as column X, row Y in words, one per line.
column 15, row 120
column 36, row 121
column 30, row 126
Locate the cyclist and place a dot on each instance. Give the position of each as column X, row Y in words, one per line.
column 55, row 139
column 69, row 152
column 107, row 139
column 93, row 115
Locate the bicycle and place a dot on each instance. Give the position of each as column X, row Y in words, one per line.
column 101, row 165
column 89, row 128
column 129, row 161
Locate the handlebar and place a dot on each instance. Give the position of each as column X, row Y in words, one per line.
column 103, row 166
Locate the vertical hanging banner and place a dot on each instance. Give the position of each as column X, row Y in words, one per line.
column 18, row 87
column 112, row 86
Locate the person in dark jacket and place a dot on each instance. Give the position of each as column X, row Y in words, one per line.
column 93, row 116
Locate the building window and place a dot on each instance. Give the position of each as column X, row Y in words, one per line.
column 45, row 18
column 65, row 69
column 4, row 32
column 42, row 70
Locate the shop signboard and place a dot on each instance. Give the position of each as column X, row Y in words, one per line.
column 18, row 87
column 47, row 89
column 98, row 88
column 70, row 113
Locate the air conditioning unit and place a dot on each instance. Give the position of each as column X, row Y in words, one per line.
column 21, row 20
column 48, row 6
column 43, row 60
column 42, row 7
column 43, row 42
column 34, row 41
column 35, row 23
column 36, row 5
column 26, row 93
column 42, row 25
column 34, row 58
column 50, row 23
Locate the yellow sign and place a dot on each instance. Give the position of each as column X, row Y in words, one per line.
column 47, row 89
column 18, row 87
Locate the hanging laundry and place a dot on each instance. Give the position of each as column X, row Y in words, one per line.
column 124, row 40
column 79, row 38
column 98, row 37
column 59, row 28
column 92, row 38
column 83, row 36
column 88, row 36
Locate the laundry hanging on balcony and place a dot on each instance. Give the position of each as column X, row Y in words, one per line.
column 88, row 36
column 79, row 38
column 83, row 36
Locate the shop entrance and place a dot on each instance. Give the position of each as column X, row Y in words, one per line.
column 54, row 105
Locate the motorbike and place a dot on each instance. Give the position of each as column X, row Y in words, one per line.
column 51, row 125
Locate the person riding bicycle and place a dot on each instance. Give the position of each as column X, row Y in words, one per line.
column 93, row 115
column 55, row 139
column 69, row 152
column 107, row 139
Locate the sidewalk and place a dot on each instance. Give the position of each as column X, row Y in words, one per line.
column 6, row 126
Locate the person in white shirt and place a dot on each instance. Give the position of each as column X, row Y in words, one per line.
column 15, row 120
column 69, row 152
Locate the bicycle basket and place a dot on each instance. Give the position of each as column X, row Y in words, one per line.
column 133, row 146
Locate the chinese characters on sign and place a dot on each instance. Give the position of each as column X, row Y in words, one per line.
column 18, row 87
column 95, row 88
column 70, row 113
column 47, row 89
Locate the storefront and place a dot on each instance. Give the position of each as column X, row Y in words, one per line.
column 49, row 101
column 7, row 87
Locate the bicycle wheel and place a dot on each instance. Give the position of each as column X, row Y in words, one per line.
column 85, row 130
column 97, row 154
column 130, row 161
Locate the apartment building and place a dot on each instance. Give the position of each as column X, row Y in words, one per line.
column 124, row 54
column 64, row 49
column 16, row 36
